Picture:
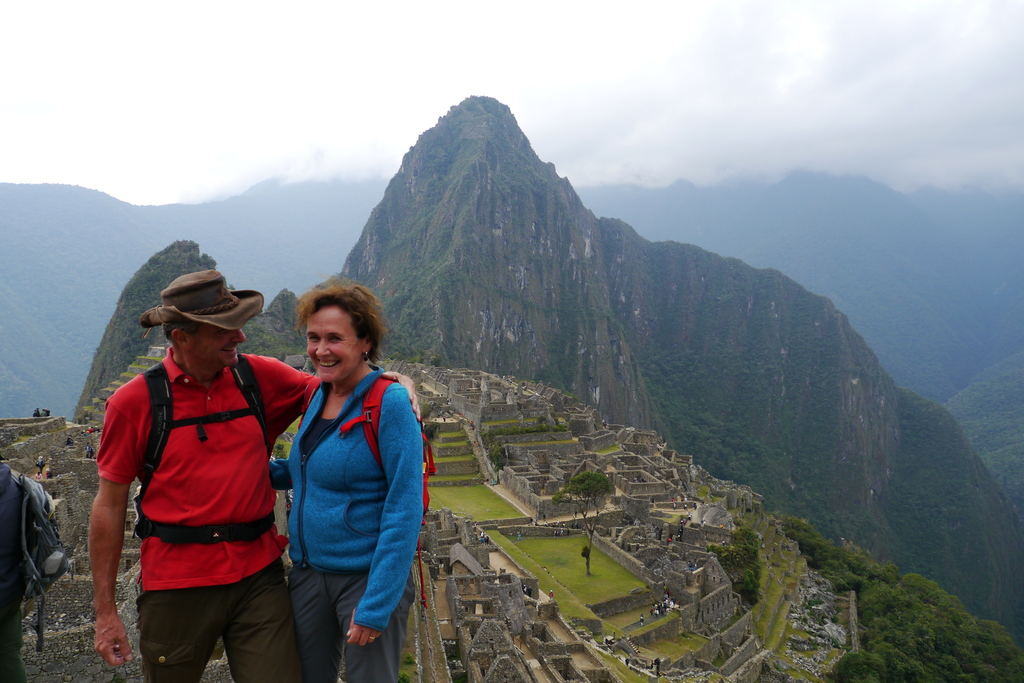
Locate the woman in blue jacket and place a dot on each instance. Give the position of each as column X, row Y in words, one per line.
column 354, row 523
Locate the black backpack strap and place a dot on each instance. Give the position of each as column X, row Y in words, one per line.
column 251, row 390
column 160, row 427
column 163, row 422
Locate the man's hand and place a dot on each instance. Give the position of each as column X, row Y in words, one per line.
column 410, row 386
column 111, row 640
column 106, row 535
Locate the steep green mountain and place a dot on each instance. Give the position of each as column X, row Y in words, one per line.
column 483, row 253
column 68, row 252
column 272, row 333
column 123, row 339
column 486, row 258
column 990, row 411
column 932, row 279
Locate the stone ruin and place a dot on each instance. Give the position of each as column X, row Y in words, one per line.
column 490, row 621
column 633, row 528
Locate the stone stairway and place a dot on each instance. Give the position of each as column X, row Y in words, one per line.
column 93, row 413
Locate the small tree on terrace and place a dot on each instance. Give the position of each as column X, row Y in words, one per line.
column 583, row 493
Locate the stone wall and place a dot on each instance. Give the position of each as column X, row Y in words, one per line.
column 629, row 562
column 40, row 444
column 598, row 441
column 738, row 631
column 499, row 412
column 623, row 604
column 717, row 607
column 741, row 655
column 532, row 437
column 453, row 467
column 664, row 629
column 34, row 426
column 637, row 509
column 562, row 449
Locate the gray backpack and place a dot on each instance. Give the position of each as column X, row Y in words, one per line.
column 44, row 559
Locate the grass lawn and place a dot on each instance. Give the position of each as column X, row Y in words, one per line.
column 624, row 619
column 562, row 558
column 674, row 649
column 568, row 604
column 456, row 458
column 609, row 450
column 478, row 501
column 449, row 444
column 624, row 673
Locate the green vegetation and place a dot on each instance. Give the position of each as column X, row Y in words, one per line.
column 532, row 429
column 273, row 333
column 561, row 558
column 989, row 410
column 741, row 558
column 478, row 501
column 583, row 493
column 913, row 630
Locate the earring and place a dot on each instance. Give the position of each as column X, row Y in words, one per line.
column 366, row 356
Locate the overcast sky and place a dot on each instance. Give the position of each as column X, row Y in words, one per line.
column 157, row 103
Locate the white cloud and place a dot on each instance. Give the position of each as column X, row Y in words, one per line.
column 158, row 103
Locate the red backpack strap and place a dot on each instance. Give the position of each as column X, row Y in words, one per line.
column 370, row 416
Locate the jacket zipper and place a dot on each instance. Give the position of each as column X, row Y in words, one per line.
column 302, row 476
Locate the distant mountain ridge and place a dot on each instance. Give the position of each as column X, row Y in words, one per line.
column 484, row 256
column 931, row 279
column 68, row 252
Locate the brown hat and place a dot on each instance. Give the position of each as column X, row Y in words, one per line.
column 204, row 298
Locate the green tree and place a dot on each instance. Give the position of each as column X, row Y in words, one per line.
column 584, row 493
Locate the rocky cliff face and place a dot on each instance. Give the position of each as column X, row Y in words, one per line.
column 484, row 256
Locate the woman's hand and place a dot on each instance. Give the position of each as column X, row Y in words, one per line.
column 410, row 386
column 361, row 635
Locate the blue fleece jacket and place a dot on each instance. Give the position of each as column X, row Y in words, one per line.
column 350, row 516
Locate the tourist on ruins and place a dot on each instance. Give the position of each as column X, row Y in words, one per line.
column 12, row 582
column 211, row 555
column 356, row 519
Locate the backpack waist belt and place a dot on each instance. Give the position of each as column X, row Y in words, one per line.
column 219, row 533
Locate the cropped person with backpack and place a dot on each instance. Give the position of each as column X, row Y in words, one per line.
column 12, row 583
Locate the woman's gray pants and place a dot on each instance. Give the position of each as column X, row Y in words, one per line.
column 323, row 605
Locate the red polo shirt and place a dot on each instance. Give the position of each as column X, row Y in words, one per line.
column 223, row 480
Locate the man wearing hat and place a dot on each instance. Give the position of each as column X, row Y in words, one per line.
column 213, row 475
